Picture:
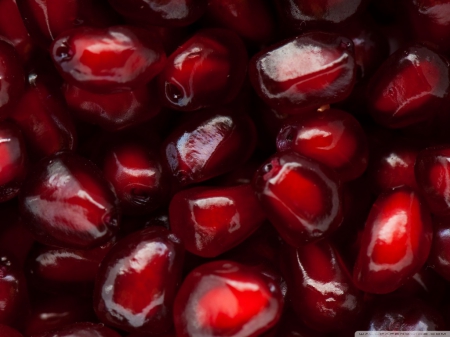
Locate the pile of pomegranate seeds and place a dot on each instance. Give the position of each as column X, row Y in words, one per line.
column 224, row 168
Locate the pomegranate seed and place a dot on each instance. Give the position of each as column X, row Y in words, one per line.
column 207, row 70
column 409, row 87
column 211, row 221
column 6, row 331
column 395, row 243
column 440, row 255
column 66, row 202
column 332, row 137
column 299, row 218
column 109, row 60
column 225, row 298
column 81, row 329
column 327, row 74
column 137, row 281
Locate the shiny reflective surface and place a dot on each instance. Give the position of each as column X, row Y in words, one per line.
column 140, row 180
column 172, row 13
column 13, row 160
column 440, row 254
column 332, row 137
column 395, row 242
column 393, row 165
column 433, row 177
column 11, row 78
column 64, row 270
column 81, row 329
column 211, row 221
column 138, row 280
column 251, row 19
column 116, row 111
column 409, row 87
column 326, row 75
column 67, row 202
column 46, row 19
column 321, row 288
column 405, row 314
column 210, row 143
column 115, row 59
column 225, row 298
column 207, row 70
column 301, row 197
column 302, row 15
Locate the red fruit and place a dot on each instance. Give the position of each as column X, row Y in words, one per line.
column 140, row 180
column 6, row 331
column 12, row 160
column 327, row 72
column 170, row 13
column 409, row 87
column 332, row 137
column 56, row 313
column 432, row 174
column 42, row 115
column 67, row 202
column 212, row 220
column 320, row 287
column 64, row 270
column 82, row 330
column 137, row 281
column 12, row 291
column 395, row 243
column 225, row 298
column 301, row 197
column 11, row 78
column 430, row 21
column 208, row 144
column 13, row 28
column 47, row 19
column 109, row 60
column 113, row 112
column 405, row 314
column 207, row 70
column 393, row 165
column 440, row 254
column 301, row 15
column 251, row 19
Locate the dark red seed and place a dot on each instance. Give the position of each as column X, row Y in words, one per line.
column 303, row 217
column 207, row 70
column 138, row 280
column 67, row 202
column 109, row 60
column 81, row 329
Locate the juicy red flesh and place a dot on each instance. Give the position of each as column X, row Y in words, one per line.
column 81, row 329
column 207, row 70
column 251, row 19
column 208, row 144
column 395, row 243
column 432, row 171
column 67, row 202
column 300, row 15
column 332, row 137
column 64, row 270
column 6, row 331
column 141, row 182
column 47, row 19
column 322, row 291
column 211, row 221
column 11, row 78
column 13, row 160
column 108, row 60
column 137, row 281
column 225, row 298
column 304, row 217
column 326, row 75
column 170, row 13
column 409, row 87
